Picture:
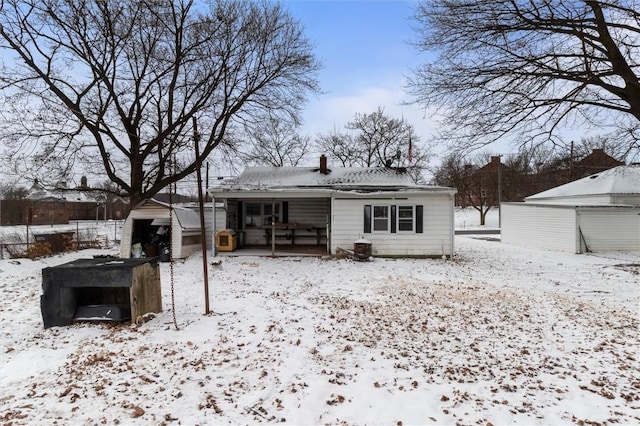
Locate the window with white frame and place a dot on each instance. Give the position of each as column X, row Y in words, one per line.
column 393, row 219
column 405, row 218
column 380, row 218
column 260, row 214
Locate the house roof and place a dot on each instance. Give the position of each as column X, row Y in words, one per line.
column 618, row 180
column 338, row 178
column 40, row 193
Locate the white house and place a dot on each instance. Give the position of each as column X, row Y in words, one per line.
column 600, row 212
column 334, row 207
column 141, row 226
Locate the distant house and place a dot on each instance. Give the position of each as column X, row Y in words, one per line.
column 570, row 170
column 492, row 183
column 44, row 206
column 332, row 208
column 600, row 212
column 59, row 206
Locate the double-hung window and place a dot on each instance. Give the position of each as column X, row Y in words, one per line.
column 405, row 218
column 380, row 218
column 393, row 218
column 260, row 214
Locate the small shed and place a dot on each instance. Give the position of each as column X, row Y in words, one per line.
column 597, row 213
column 149, row 225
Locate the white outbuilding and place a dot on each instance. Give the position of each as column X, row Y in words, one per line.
column 597, row 213
column 155, row 225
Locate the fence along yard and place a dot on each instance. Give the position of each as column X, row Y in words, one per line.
column 33, row 241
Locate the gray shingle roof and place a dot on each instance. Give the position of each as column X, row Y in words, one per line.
column 281, row 177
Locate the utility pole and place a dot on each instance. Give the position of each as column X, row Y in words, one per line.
column 203, row 229
column 499, row 191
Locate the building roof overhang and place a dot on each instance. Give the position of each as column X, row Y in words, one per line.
column 359, row 191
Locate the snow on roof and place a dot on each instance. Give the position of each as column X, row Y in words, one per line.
column 618, row 180
column 336, row 178
column 309, row 176
column 187, row 218
column 45, row 195
column 39, row 192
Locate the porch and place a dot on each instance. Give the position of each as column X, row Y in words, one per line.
column 276, row 226
column 281, row 250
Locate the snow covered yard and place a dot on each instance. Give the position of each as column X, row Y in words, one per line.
column 498, row 335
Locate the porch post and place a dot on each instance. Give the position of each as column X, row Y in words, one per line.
column 213, row 231
column 273, row 227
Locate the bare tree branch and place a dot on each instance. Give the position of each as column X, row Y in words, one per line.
column 376, row 140
column 274, row 141
column 113, row 85
column 529, row 69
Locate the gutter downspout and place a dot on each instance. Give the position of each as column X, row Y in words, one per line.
column 578, row 241
column 213, row 231
column 452, row 227
column 330, row 222
column 273, row 227
column 580, row 235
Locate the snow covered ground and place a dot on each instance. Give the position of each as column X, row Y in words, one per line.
column 469, row 219
column 498, row 335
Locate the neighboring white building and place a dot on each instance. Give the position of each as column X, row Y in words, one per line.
column 144, row 221
column 335, row 207
column 597, row 213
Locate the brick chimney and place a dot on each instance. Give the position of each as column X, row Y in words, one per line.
column 323, row 165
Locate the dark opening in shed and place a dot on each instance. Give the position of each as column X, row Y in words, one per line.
column 107, row 289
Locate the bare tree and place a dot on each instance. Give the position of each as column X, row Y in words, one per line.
column 454, row 172
column 381, row 140
column 116, row 84
column 484, row 181
column 274, row 141
column 613, row 147
column 529, row 69
column 340, row 147
column 376, row 139
column 13, row 192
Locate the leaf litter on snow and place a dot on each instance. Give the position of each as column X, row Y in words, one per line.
column 496, row 335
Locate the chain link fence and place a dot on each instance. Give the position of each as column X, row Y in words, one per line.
column 25, row 241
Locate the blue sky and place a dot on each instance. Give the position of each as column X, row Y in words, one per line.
column 366, row 55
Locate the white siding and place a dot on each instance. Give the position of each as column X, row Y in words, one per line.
column 347, row 226
column 312, row 211
column 149, row 211
column 628, row 199
column 125, row 238
column 538, row 226
column 611, row 229
column 144, row 211
column 183, row 249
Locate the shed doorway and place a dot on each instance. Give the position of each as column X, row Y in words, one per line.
column 151, row 238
